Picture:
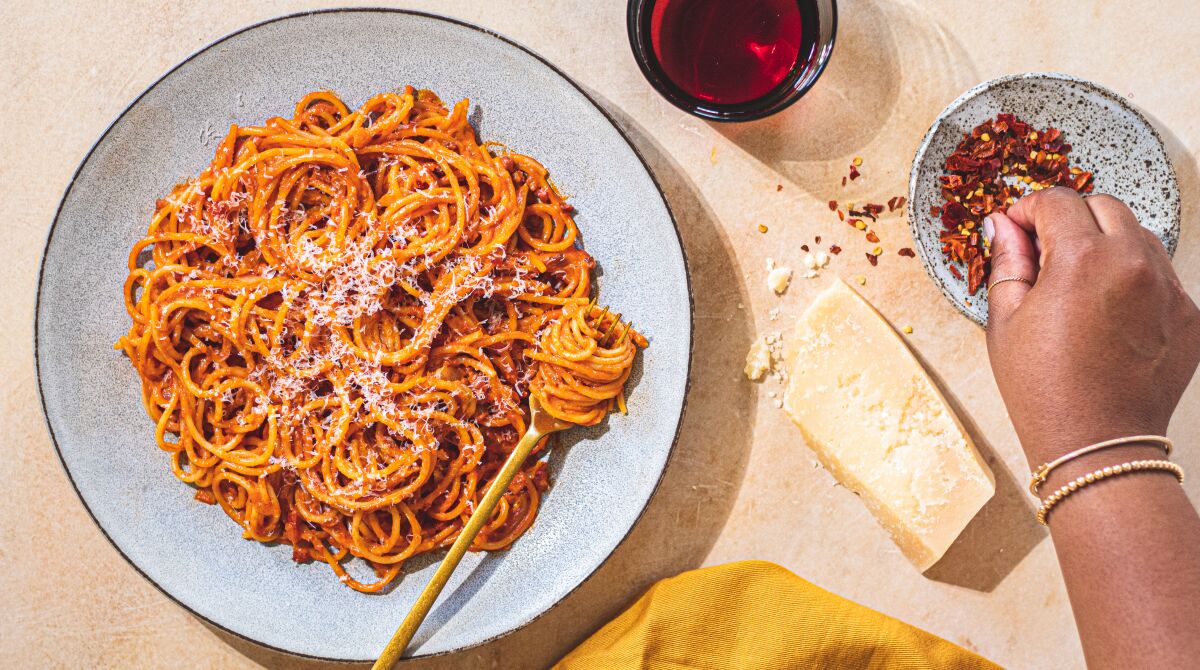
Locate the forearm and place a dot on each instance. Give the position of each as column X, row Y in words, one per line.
column 1098, row 341
column 1129, row 548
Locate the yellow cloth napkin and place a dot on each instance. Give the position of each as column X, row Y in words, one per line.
column 756, row 615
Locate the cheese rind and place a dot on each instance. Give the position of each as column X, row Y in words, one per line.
column 879, row 424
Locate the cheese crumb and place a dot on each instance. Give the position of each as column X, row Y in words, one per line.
column 778, row 277
column 778, row 370
column 758, row 360
column 815, row 263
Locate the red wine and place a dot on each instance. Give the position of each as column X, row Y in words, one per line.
column 730, row 52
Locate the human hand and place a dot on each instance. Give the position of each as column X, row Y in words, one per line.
column 1104, row 342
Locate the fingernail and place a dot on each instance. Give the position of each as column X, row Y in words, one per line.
column 989, row 228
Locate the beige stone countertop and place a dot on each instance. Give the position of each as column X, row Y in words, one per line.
column 742, row 484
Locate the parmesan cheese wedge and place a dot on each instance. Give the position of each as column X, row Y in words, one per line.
column 879, row 424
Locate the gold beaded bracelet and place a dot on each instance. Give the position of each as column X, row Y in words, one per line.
column 1103, row 473
column 1039, row 475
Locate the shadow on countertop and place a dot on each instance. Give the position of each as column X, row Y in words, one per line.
column 1002, row 533
column 1185, row 425
column 880, row 43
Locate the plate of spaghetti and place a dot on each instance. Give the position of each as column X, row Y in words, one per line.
column 289, row 325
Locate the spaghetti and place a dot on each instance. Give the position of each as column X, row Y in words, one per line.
column 344, row 317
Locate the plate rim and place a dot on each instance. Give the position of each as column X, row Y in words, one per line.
column 424, row 16
column 974, row 92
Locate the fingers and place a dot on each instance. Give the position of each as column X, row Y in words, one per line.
column 1113, row 216
column 1013, row 258
column 1056, row 215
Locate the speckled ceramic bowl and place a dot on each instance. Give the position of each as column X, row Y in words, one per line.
column 1107, row 134
column 602, row 478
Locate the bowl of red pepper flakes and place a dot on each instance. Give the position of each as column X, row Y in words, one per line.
column 1011, row 136
column 999, row 161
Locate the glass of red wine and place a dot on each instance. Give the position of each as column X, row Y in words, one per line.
column 732, row 60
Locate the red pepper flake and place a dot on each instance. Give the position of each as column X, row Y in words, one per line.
column 841, row 215
column 854, row 173
column 833, row 205
column 872, row 237
column 907, row 252
column 778, row 187
column 873, row 259
column 817, row 239
column 843, row 181
column 873, row 208
column 901, row 202
column 954, row 271
column 803, row 247
column 835, row 249
column 976, row 273
column 999, row 161
column 896, row 203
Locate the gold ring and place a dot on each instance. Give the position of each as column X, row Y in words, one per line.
column 1004, row 279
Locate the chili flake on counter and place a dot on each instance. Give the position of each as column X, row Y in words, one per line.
column 1001, row 160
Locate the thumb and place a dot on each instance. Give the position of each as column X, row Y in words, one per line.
column 1014, row 266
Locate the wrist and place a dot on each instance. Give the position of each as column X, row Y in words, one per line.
column 1097, row 460
column 1047, row 443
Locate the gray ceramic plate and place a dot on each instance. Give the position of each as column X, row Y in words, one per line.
column 601, row 480
column 1107, row 134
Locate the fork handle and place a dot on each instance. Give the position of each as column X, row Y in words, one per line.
column 399, row 642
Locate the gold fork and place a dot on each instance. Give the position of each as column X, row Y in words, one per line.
column 540, row 425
